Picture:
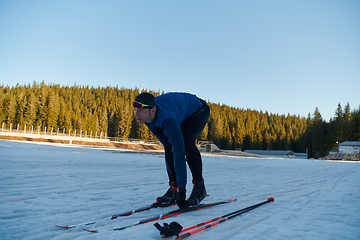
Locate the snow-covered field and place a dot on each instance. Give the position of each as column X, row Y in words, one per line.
column 46, row 184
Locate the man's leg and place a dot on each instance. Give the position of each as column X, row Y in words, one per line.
column 191, row 129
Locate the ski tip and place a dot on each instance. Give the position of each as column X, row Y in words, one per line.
column 91, row 230
column 271, row 199
column 63, row 226
column 119, row 229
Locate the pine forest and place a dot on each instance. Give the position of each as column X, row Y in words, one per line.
column 109, row 110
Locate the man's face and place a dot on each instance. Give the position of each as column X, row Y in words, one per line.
column 144, row 115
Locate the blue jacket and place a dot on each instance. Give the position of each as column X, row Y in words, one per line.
column 172, row 109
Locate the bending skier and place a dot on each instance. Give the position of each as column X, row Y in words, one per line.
column 177, row 119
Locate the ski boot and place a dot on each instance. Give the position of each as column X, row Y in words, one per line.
column 170, row 196
column 197, row 195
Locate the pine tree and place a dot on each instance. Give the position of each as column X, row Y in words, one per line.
column 103, row 121
column 143, row 132
column 30, row 109
column 9, row 108
column 204, row 134
column 355, row 126
column 346, row 125
column 338, row 124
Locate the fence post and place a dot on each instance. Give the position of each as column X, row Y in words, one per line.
column 69, row 132
column 32, row 129
column 10, row 126
column 2, row 127
column 91, row 134
column 75, row 133
column 25, row 129
column 45, row 130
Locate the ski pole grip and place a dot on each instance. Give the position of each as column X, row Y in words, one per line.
column 185, row 235
column 271, row 199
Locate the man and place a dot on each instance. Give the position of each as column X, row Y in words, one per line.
column 177, row 119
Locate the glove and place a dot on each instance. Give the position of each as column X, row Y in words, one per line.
column 180, row 200
column 169, row 230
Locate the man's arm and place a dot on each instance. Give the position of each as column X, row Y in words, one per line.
column 172, row 129
column 157, row 132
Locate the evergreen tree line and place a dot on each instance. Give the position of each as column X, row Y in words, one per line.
column 109, row 110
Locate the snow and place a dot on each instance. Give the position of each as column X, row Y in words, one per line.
column 47, row 184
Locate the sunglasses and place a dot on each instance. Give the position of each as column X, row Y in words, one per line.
column 141, row 105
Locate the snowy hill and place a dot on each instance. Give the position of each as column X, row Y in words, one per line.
column 47, row 184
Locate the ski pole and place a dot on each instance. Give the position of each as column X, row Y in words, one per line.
column 215, row 221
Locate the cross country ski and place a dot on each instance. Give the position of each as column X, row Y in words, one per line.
column 167, row 215
column 123, row 214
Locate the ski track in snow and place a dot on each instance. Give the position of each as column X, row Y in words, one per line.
column 46, row 184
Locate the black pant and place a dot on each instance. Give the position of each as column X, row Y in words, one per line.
column 191, row 129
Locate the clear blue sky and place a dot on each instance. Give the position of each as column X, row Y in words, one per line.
column 276, row 56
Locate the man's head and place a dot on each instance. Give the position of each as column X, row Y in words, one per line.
column 145, row 107
column 144, row 100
